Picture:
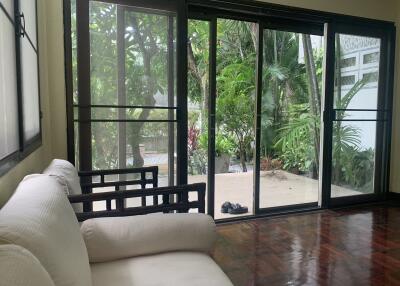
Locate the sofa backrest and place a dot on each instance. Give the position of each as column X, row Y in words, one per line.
column 39, row 218
column 18, row 267
column 68, row 176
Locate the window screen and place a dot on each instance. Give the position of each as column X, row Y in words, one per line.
column 9, row 140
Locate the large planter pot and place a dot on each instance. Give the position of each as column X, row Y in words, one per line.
column 222, row 164
column 142, row 150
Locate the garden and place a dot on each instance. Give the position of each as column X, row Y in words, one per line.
column 290, row 109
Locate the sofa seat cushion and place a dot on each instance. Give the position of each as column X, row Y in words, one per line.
column 168, row 269
column 39, row 218
column 18, row 267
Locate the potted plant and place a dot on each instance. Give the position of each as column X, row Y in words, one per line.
column 224, row 148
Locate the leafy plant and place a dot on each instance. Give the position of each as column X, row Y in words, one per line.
column 197, row 156
column 197, row 164
column 224, row 145
column 294, row 140
column 356, row 169
column 346, row 139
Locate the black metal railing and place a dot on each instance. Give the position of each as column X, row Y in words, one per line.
column 138, row 175
column 179, row 205
column 174, row 198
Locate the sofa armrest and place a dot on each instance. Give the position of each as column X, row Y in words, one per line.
column 116, row 238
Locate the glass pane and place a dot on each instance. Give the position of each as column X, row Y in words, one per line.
column 235, row 110
column 353, row 158
column 354, row 141
column 28, row 8
column 30, row 90
column 9, row 139
column 103, row 52
column 74, row 52
column 148, row 51
column 198, row 87
column 133, row 113
column 356, row 115
column 146, row 144
column 150, row 41
column 76, row 144
column 356, row 87
column 133, row 63
column 290, row 118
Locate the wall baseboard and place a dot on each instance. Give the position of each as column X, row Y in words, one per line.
column 393, row 196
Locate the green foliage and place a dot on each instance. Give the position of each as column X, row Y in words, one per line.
column 198, row 35
column 197, row 164
column 350, row 164
column 223, row 144
column 356, row 169
column 146, row 68
column 287, row 123
column 295, row 139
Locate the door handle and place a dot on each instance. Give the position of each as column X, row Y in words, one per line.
column 21, row 25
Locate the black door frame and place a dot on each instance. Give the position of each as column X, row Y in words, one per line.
column 286, row 26
column 319, row 23
column 383, row 110
column 269, row 15
column 179, row 9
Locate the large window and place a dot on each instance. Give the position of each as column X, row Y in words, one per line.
column 20, row 130
column 276, row 109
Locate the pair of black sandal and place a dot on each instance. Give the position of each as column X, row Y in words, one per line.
column 233, row 209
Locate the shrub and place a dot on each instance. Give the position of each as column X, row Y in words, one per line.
column 223, row 144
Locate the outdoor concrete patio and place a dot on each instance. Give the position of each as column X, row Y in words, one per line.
column 278, row 188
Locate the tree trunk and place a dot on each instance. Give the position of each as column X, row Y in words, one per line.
column 314, row 95
column 204, row 109
column 253, row 32
column 150, row 84
column 203, row 82
column 275, row 85
column 337, row 127
column 242, row 155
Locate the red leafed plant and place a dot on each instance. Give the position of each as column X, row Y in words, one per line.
column 193, row 139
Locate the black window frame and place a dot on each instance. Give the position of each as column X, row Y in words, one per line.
column 290, row 19
column 177, row 8
column 26, row 147
column 384, row 110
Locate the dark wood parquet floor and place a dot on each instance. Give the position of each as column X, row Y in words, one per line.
column 334, row 247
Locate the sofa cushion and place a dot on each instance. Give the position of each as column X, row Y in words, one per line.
column 168, row 269
column 18, row 267
column 39, row 218
column 68, row 176
column 121, row 237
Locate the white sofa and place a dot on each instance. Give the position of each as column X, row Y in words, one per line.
column 42, row 243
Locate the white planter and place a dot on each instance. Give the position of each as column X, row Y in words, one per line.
column 222, row 164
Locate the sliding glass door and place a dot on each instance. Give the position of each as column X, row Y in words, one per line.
column 359, row 115
column 260, row 117
column 254, row 127
column 274, row 110
column 235, row 115
column 290, row 118
column 221, row 112
column 127, row 103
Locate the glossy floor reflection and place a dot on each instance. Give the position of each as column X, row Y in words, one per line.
column 343, row 247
